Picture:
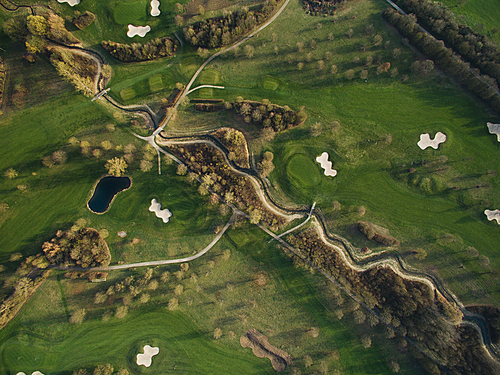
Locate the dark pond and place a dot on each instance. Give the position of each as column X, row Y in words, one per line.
column 105, row 190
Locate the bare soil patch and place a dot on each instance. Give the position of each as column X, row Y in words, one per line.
column 263, row 349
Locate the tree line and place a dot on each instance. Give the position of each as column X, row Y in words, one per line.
column 483, row 86
column 442, row 23
column 224, row 30
column 154, row 49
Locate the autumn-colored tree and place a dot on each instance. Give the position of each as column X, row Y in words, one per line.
column 11, row 173
column 116, row 166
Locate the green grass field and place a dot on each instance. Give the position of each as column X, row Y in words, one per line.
column 481, row 15
column 370, row 130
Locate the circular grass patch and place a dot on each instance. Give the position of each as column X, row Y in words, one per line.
column 302, row 169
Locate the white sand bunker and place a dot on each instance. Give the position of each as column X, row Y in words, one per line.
column 70, row 2
column 494, row 129
column 149, row 353
column 137, row 30
column 326, row 165
column 493, row 215
column 164, row 214
column 155, row 8
column 426, row 141
column 33, row 373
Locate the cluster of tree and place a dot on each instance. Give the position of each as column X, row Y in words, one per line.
column 369, row 231
column 267, row 115
column 154, row 49
column 316, row 7
column 225, row 30
column 105, row 369
column 36, row 32
column 483, row 86
column 77, row 247
column 24, row 288
column 76, row 68
column 3, row 73
column 406, row 305
column 236, row 145
column 83, row 20
column 207, row 163
column 441, row 21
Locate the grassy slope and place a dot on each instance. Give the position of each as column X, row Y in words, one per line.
column 224, row 296
column 481, row 15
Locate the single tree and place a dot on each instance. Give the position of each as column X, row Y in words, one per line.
column 116, row 166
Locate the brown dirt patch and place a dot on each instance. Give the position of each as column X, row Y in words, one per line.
column 263, row 349
column 261, row 278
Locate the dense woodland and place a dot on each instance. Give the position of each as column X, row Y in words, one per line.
column 227, row 29
column 483, row 86
column 408, row 307
column 154, row 49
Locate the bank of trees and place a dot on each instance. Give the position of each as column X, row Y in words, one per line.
column 482, row 85
column 227, row 29
column 154, row 49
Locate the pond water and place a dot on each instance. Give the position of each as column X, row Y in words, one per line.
column 105, row 191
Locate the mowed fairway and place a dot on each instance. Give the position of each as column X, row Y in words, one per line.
column 183, row 347
column 130, row 11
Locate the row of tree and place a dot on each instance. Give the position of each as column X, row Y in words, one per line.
column 442, row 23
column 154, row 49
column 482, row 85
column 225, row 30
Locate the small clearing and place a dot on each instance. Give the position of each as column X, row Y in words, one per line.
column 164, row 214
column 138, row 30
column 155, row 8
column 146, row 358
column 326, row 164
column 263, row 349
column 494, row 129
column 493, row 215
column 426, row 141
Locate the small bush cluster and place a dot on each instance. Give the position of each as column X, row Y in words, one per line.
column 154, row 49
column 83, row 20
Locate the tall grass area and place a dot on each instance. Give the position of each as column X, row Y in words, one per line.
column 370, row 129
column 220, row 291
